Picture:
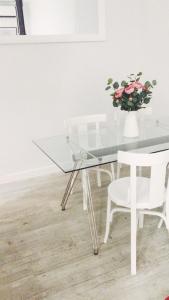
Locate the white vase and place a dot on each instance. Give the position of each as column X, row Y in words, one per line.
column 131, row 129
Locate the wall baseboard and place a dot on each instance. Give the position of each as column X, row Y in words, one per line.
column 13, row 177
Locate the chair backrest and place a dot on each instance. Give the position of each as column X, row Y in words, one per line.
column 157, row 162
column 82, row 125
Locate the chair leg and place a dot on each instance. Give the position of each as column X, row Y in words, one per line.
column 83, row 174
column 108, row 220
column 119, row 166
column 161, row 221
column 140, row 171
column 167, row 223
column 141, row 220
column 99, row 183
column 133, row 242
column 112, row 171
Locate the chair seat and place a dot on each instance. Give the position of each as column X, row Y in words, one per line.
column 118, row 191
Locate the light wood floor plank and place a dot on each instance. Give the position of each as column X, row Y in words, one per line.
column 47, row 254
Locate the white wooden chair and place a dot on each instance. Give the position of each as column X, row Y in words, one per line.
column 139, row 195
column 79, row 127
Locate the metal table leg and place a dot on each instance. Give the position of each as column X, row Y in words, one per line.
column 91, row 216
column 89, row 200
column 69, row 188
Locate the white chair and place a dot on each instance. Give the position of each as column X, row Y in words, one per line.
column 139, row 195
column 79, row 127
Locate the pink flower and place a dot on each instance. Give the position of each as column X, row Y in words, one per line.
column 129, row 89
column 119, row 93
column 138, row 85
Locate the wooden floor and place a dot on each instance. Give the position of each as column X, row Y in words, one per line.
column 46, row 253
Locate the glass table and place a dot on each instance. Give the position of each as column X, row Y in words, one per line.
column 92, row 149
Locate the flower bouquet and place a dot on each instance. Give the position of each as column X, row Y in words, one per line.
column 133, row 94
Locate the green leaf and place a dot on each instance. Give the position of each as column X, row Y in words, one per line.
column 147, row 100
column 138, row 78
column 108, row 88
column 147, row 84
column 116, row 85
column 112, row 94
column 139, row 107
column 123, row 83
column 125, row 97
column 135, row 94
column 148, row 92
column 136, row 100
column 124, row 106
column 139, row 74
column 115, row 104
column 143, row 94
column 154, row 82
column 110, row 80
column 130, row 103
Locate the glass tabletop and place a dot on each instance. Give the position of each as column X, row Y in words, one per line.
column 96, row 148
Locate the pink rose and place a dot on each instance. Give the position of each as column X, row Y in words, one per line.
column 129, row 89
column 119, row 93
column 138, row 85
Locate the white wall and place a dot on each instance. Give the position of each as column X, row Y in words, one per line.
column 41, row 85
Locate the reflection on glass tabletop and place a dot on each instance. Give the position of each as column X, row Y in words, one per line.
column 95, row 148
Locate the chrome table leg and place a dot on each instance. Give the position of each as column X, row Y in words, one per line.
column 69, row 188
column 89, row 200
column 91, row 216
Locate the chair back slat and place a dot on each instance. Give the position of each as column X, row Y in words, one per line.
column 81, row 124
column 79, row 127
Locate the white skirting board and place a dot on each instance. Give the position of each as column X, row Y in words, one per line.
column 44, row 171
